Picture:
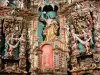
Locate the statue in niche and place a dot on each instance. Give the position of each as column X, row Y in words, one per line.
column 48, row 21
column 74, row 43
column 11, row 45
column 84, row 34
column 50, row 29
column 12, row 36
column 86, row 39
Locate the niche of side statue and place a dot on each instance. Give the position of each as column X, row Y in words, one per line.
column 11, row 36
column 48, row 26
column 83, row 33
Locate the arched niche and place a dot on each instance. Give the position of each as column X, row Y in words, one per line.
column 47, row 12
column 47, row 57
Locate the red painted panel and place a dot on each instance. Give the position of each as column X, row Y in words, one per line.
column 47, row 57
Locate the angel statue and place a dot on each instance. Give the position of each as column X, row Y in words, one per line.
column 12, row 45
column 86, row 41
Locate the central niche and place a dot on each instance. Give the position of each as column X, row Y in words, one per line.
column 48, row 23
column 47, row 57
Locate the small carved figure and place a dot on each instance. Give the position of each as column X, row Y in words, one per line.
column 36, row 60
column 85, row 41
column 4, row 2
column 21, row 4
column 10, row 42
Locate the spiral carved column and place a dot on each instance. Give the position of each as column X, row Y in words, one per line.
column 22, row 55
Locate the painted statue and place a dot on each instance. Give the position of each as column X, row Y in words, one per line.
column 11, row 46
column 83, row 33
column 47, row 17
column 86, row 40
column 21, row 4
column 74, row 42
column 50, row 29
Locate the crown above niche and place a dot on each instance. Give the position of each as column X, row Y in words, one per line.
column 49, row 7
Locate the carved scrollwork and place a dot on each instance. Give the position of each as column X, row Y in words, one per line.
column 97, row 72
column 83, row 66
column 98, row 64
column 18, row 25
column 11, row 67
column 7, row 25
column 96, row 58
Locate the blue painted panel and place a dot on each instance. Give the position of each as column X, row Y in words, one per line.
column 52, row 14
column 47, row 1
column 81, row 47
column 40, row 29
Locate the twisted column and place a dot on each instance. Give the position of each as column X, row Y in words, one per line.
column 22, row 54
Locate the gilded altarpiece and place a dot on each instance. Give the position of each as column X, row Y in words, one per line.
column 48, row 44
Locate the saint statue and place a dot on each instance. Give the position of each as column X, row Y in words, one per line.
column 12, row 45
column 50, row 29
column 86, row 41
